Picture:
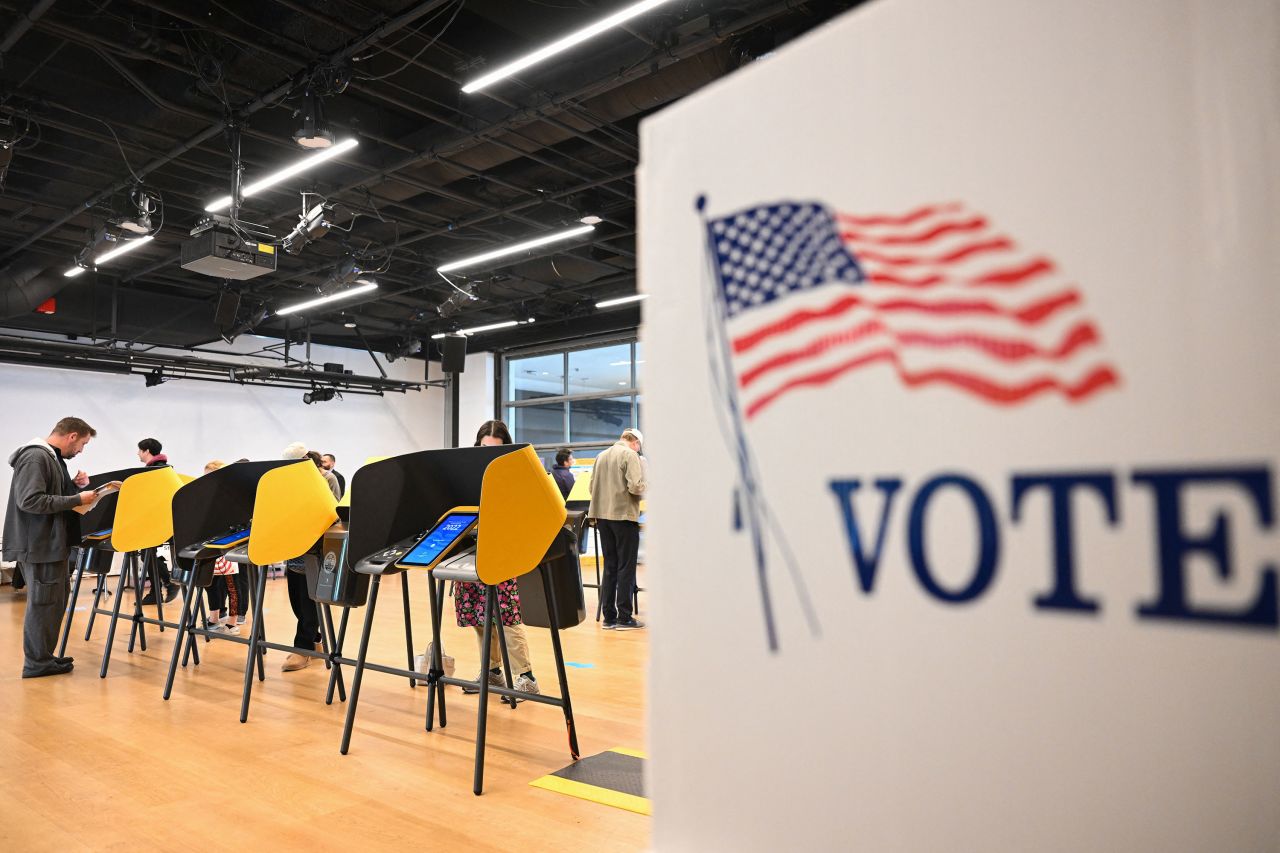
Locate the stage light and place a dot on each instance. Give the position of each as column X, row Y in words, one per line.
column 515, row 248
column 319, row 395
column 311, row 227
column 308, row 162
column 563, row 44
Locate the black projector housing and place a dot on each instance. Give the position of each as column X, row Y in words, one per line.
column 222, row 254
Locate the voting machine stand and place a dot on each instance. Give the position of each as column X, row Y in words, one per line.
column 393, row 502
column 522, row 529
column 285, row 505
column 141, row 522
column 93, row 556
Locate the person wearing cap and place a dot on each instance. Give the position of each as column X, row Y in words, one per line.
column 617, row 484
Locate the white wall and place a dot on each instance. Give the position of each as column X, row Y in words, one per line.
column 200, row 421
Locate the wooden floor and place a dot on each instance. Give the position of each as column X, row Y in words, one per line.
column 89, row 763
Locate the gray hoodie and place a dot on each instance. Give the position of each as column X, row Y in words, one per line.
column 39, row 526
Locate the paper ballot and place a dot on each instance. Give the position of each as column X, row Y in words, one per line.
column 98, row 494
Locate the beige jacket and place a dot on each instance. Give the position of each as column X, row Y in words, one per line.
column 617, row 484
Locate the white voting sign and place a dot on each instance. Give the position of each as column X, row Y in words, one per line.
column 964, row 314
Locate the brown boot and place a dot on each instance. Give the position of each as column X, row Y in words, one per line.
column 295, row 662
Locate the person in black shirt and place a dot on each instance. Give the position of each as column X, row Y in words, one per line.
column 564, row 477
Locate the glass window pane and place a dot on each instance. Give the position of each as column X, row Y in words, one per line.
column 605, row 369
column 640, row 412
column 541, row 424
column 539, row 376
column 599, row 420
column 639, row 366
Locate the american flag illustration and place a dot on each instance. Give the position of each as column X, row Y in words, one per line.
column 937, row 294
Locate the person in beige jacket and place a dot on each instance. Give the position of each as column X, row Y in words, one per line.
column 617, row 484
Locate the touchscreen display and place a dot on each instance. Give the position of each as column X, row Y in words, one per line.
column 441, row 538
column 229, row 539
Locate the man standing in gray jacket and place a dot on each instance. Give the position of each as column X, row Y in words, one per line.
column 617, row 484
column 40, row 529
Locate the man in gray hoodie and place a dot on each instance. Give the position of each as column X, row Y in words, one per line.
column 39, row 530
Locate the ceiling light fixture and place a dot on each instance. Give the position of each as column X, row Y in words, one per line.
column 314, row 133
column 332, row 297
column 563, row 44
column 507, row 324
column 308, row 162
column 516, row 248
column 124, row 249
column 623, row 300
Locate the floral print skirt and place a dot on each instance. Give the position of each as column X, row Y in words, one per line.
column 468, row 603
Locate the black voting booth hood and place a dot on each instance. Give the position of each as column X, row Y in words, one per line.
column 404, row 496
column 102, row 517
column 219, row 502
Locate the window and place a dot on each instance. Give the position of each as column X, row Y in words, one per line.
column 583, row 398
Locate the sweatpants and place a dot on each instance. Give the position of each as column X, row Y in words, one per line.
column 46, row 605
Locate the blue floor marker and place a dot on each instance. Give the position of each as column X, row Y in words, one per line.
column 579, row 665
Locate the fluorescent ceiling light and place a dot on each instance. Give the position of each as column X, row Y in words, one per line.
column 516, row 248
column 123, row 248
column 563, row 44
column 332, row 297
column 308, row 162
column 609, row 303
column 507, row 324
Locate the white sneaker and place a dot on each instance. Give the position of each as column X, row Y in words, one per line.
column 526, row 684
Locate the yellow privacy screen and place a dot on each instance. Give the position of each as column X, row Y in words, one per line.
column 520, row 512
column 292, row 509
column 144, row 514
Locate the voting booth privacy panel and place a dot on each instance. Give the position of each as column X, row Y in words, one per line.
column 969, row 322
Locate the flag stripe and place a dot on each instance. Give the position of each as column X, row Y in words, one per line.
column 940, row 230
column 1005, row 277
column 997, row 244
column 995, row 392
column 1032, row 314
column 1003, row 349
column 898, row 219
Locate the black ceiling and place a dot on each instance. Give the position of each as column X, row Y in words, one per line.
column 438, row 174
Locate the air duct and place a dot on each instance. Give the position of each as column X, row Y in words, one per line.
column 24, row 286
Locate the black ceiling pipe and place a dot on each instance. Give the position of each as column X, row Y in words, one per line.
column 22, row 25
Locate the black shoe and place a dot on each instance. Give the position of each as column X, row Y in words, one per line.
column 149, row 598
column 608, row 625
column 52, row 668
column 171, row 592
column 628, row 625
column 66, row 660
